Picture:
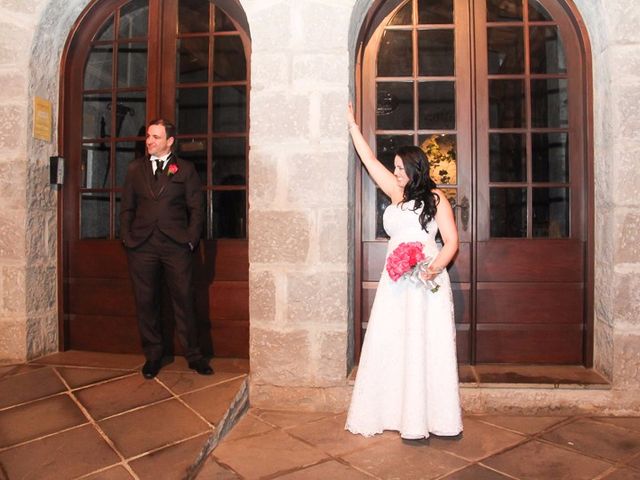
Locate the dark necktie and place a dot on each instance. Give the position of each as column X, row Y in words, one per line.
column 158, row 167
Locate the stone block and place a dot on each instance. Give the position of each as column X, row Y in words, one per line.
column 41, row 289
column 603, row 348
column 626, row 374
column 301, row 399
column 21, row 6
column 42, row 335
column 279, row 117
column 332, row 359
column 626, row 177
column 281, row 357
column 278, row 237
column 320, row 70
column 12, row 230
column 15, row 43
column 627, row 105
column 623, row 18
column 13, row 341
column 319, row 179
column 317, row 298
column 626, row 236
column 12, row 127
column 13, row 181
column 263, row 186
column 269, row 70
column 262, row 297
column 626, row 58
column 14, row 86
column 333, row 124
column 626, row 300
column 270, row 24
column 321, row 26
column 13, row 290
column 334, row 243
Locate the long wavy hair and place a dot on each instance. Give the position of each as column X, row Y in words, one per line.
column 420, row 187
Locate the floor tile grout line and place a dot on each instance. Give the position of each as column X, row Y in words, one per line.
column 483, row 465
column 97, row 427
column 28, row 402
column 576, row 451
column 185, row 404
column 43, row 437
column 222, row 382
column 598, row 420
column 224, row 465
column 102, row 382
column 167, row 445
column 104, row 469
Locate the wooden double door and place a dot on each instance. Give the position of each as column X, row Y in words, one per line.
column 494, row 91
column 129, row 61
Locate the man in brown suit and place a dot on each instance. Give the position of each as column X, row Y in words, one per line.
column 160, row 221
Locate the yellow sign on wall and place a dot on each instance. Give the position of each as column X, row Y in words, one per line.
column 42, row 119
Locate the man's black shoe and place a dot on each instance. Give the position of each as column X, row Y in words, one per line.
column 201, row 366
column 151, row 368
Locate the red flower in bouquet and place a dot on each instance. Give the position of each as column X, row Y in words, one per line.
column 409, row 261
column 404, row 259
column 173, row 169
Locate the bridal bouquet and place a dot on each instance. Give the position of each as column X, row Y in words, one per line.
column 409, row 261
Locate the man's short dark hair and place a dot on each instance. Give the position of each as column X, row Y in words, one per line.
column 169, row 127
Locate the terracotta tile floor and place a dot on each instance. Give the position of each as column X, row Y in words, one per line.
column 87, row 415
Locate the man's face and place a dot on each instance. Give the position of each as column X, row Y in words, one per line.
column 157, row 142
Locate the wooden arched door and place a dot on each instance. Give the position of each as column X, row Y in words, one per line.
column 126, row 63
column 494, row 92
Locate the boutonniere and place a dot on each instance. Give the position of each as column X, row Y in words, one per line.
column 173, row 169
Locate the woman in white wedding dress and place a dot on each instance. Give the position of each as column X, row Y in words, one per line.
column 407, row 378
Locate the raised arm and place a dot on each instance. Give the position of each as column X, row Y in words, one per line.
column 383, row 178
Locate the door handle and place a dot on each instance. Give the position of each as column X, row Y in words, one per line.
column 463, row 205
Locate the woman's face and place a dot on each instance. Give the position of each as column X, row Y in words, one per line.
column 401, row 175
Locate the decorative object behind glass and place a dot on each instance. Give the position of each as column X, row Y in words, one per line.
column 440, row 149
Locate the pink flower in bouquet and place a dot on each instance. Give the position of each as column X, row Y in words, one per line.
column 404, row 259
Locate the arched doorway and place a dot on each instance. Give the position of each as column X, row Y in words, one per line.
column 129, row 61
column 495, row 92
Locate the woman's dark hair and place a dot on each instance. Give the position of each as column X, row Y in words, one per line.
column 420, row 186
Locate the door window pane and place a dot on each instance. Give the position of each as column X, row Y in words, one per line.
column 506, row 103
column 549, row 103
column 537, row 12
column 95, row 165
column 435, row 11
column 222, row 22
column 403, row 16
column 192, row 62
column 131, row 112
column 440, row 150
column 546, row 50
column 436, row 52
column 229, row 109
column 394, row 110
column 193, row 16
column 106, row 32
column 551, row 212
column 505, row 50
column 94, row 215
column 550, row 157
column 229, row 161
column 195, row 150
column 382, row 202
column 437, row 105
column 98, row 72
column 395, row 54
column 229, row 60
column 504, row 10
column 387, row 145
column 229, row 214
column 134, row 19
column 96, row 116
column 126, row 152
column 191, row 110
column 507, row 157
column 508, row 212
column 132, row 65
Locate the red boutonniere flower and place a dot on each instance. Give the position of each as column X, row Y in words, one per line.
column 173, row 169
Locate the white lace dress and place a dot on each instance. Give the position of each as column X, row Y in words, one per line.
column 407, row 379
